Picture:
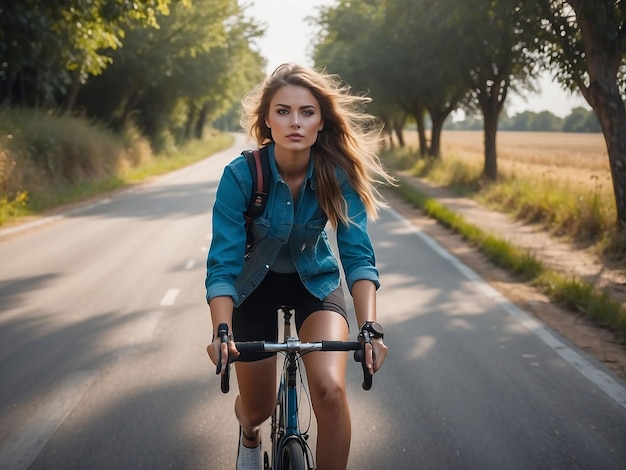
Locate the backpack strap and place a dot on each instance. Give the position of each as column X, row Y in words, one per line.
column 258, row 161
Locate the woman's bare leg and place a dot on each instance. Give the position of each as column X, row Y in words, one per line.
column 326, row 377
column 257, row 396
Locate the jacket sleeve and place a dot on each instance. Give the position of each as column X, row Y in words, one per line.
column 226, row 254
column 355, row 247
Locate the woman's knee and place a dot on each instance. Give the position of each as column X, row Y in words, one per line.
column 329, row 398
column 257, row 390
column 259, row 415
column 255, row 413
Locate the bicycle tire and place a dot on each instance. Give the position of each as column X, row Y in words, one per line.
column 293, row 456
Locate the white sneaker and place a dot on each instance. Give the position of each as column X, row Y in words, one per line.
column 248, row 458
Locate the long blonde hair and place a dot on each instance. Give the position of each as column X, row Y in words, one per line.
column 350, row 138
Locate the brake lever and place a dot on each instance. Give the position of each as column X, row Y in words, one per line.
column 359, row 356
column 222, row 333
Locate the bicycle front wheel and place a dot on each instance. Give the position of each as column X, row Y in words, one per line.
column 293, row 456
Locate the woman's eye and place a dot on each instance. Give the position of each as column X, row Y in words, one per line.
column 283, row 111
column 307, row 113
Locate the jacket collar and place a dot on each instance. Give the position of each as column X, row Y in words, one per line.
column 310, row 176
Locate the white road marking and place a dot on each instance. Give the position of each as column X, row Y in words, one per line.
column 601, row 379
column 170, row 297
column 21, row 449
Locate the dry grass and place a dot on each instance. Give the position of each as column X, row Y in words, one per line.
column 560, row 180
column 47, row 159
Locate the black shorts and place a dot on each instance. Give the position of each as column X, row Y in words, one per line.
column 257, row 317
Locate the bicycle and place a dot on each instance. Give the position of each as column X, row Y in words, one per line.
column 290, row 448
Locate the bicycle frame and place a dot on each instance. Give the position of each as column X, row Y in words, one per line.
column 285, row 420
column 287, row 406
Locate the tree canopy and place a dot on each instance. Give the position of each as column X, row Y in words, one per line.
column 436, row 56
column 169, row 65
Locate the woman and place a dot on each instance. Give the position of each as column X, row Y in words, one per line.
column 322, row 158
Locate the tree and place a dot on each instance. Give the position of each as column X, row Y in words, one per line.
column 49, row 48
column 545, row 121
column 415, row 69
column 591, row 123
column 495, row 43
column 523, row 121
column 360, row 58
column 575, row 122
column 586, row 43
column 173, row 80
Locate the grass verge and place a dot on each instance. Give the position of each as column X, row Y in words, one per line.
column 49, row 160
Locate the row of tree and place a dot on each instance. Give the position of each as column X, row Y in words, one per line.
column 168, row 66
column 173, row 66
column 579, row 120
column 418, row 57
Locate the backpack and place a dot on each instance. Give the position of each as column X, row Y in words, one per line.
column 259, row 163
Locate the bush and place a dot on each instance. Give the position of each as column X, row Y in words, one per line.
column 45, row 155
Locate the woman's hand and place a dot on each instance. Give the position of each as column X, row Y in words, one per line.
column 227, row 349
column 375, row 354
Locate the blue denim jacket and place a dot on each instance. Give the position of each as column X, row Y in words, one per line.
column 229, row 274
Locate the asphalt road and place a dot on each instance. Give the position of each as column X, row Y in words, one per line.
column 103, row 326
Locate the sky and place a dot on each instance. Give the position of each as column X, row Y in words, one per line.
column 289, row 38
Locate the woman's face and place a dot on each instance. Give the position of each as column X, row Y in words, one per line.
column 294, row 118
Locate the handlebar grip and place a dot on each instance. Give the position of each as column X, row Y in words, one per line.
column 359, row 356
column 340, row 345
column 250, row 346
column 222, row 332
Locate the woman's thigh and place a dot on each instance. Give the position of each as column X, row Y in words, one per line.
column 325, row 369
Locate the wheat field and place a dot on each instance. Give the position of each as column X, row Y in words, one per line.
column 579, row 158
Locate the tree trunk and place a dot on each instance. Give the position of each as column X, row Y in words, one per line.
column 398, row 127
column 418, row 114
column 613, row 122
column 435, row 138
column 189, row 124
column 73, row 94
column 201, row 122
column 491, row 97
column 490, row 115
column 603, row 95
column 129, row 106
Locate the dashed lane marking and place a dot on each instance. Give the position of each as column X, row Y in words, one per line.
column 170, row 297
